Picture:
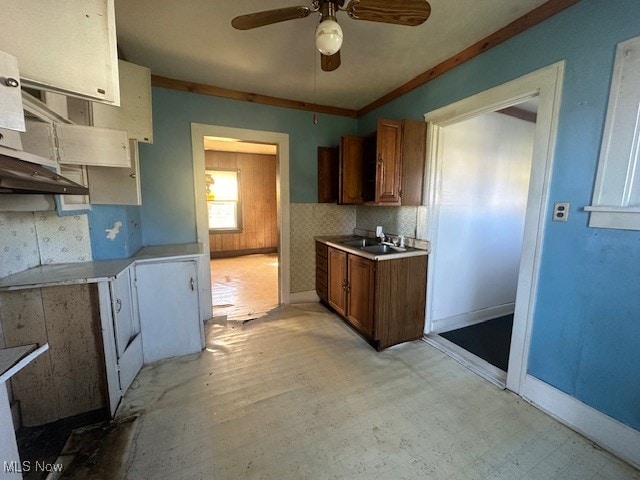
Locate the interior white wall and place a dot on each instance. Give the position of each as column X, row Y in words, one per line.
column 481, row 212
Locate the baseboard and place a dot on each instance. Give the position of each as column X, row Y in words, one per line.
column 240, row 253
column 310, row 296
column 612, row 435
column 474, row 363
column 471, row 318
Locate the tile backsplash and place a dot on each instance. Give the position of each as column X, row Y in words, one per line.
column 394, row 220
column 28, row 239
column 309, row 220
column 18, row 242
column 63, row 239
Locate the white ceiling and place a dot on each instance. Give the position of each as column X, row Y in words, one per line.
column 193, row 40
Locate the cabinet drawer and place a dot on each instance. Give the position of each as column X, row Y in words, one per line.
column 322, row 277
column 321, row 250
column 321, row 263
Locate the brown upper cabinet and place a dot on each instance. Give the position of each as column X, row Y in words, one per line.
column 414, row 145
column 351, row 170
column 328, row 174
column 383, row 163
column 384, row 168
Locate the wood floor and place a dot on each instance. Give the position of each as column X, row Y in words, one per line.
column 299, row 395
column 244, row 287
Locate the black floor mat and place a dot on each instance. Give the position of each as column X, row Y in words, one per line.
column 488, row 340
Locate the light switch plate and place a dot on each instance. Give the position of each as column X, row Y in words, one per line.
column 561, row 211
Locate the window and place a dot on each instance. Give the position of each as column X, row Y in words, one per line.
column 223, row 200
column 616, row 198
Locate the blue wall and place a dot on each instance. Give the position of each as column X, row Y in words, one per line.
column 586, row 333
column 168, row 212
column 126, row 243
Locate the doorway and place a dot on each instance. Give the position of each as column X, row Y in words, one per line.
column 545, row 86
column 243, row 229
column 281, row 143
column 484, row 185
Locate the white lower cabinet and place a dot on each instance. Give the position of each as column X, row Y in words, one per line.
column 169, row 309
column 126, row 324
column 121, row 336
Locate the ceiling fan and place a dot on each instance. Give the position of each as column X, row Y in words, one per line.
column 328, row 31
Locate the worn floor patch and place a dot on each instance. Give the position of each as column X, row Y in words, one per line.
column 99, row 452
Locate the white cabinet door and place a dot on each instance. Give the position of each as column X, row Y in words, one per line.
column 12, row 114
column 10, row 139
column 126, row 330
column 83, row 145
column 68, row 47
column 116, row 186
column 134, row 113
column 66, row 203
column 169, row 309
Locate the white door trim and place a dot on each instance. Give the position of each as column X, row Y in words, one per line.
column 546, row 84
column 281, row 140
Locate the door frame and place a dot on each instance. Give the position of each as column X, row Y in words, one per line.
column 281, row 140
column 546, row 84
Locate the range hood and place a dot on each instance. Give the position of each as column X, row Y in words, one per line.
column 18, row 176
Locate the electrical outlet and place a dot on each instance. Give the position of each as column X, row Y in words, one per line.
column 561, row 211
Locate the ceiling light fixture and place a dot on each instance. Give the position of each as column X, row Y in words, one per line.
column 328, row 37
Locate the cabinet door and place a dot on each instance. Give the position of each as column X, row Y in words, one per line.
column 67, row 203
column 414, row 145
column 10, row 139
column 83, row 145
column 134, row 113
column 338, row 280
column 351, row 170
column 116, row 186
column 328, row 174
column 126, row 328
column 389, row 136
column 12, row 116
column 169, row 309
column 68, row 47
column 360, row 293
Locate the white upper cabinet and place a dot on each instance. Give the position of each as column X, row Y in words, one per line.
column 67, row 47
column 76, row 144
column 83, row 145
column 134, row 113
column 11, row 113
column 116, row 186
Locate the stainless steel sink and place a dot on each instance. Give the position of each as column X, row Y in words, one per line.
column 360, row 242
column 377, row 249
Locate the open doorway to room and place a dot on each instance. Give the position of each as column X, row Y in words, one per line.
column 243, row 229
column 484, row 185
column 487, row 194
column 230, row 213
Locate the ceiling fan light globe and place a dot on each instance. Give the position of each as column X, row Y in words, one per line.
column 328, row 37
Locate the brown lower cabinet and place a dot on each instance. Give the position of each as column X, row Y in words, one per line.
column 383, row 300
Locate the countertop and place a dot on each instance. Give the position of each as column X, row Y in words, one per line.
column 95, row 271
column 334, row 241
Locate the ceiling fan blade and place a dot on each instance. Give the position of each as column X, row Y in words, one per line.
column 329, row 63
column 260, row 19
column 399, row 12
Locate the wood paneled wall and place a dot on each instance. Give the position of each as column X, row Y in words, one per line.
column 259, row 207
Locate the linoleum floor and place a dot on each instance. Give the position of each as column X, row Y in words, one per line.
column 244, row 287
column 299, row 395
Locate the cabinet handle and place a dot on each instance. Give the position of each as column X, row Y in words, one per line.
column 192, row 284
column 11, row 82
column 118, row 305
column 133, row 175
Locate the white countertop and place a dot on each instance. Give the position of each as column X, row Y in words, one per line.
column 95, row 271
